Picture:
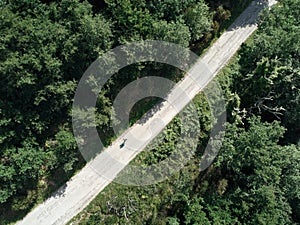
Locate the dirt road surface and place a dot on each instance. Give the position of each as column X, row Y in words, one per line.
column 77, row 193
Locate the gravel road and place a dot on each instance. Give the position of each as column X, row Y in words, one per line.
column 82, row 188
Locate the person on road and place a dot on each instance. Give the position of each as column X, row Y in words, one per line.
column 123, row 143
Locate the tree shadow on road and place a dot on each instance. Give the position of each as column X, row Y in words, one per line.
column 60, row 192
column 150, row 113
column 247, row 18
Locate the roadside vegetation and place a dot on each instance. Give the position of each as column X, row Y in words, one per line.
column 45, row 48
column 255, row 177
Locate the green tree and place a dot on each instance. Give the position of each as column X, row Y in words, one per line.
column 45, row 48
column 194, row 213
column 198, row 19
column 269, row 75
column 254, row 164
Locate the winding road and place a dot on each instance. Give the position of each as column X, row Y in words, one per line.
column 83, row 187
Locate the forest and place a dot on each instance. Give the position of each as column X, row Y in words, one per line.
column 45, row 47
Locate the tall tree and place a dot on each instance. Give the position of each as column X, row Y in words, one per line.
column 44, row 51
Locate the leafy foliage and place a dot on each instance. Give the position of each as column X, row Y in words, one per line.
column 44, row 51
column 270, row 67
column 255, row 177
column 46, row 46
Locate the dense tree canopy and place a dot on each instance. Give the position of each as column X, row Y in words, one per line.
column 255, row 178
column 270, row 67
column 44, row 51
column 45, row 47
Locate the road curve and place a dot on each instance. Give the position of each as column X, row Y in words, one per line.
column 82, row 188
